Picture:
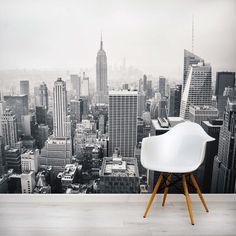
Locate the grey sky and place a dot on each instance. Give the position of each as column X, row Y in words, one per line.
column 151, row 35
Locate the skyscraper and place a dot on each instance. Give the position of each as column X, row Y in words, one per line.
column 2, row 157
column 57, row 151
column 224, row 169
column 204, row 178
column 141, row 103
column 85, row 86
column 101, row 76
column 101, row 124
column 162, row 86
column 144, row 83
column 2, row 109
column 149, row 89
column 162, row 108
column 60, row 120
column 140, row 85
column 174, row 101
column 76, row 84
column 223, row 80
column 24, row 87
column 197, row 89
column 122, row 119
column 41, row 114
column 27, row 124
column 189, row 59
column 41, row 95
column 76, row 110
column 9, row 128
column 42, row 135
column 19, row 105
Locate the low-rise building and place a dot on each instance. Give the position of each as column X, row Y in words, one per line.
column 29, row 160
column 56, row 153
column 13, row 159
column 119, row 175
column 70, row 174
column 198, row 114
column 28, row 182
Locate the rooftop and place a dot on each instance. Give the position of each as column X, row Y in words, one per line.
column 12, row 150
column 63, row 141
column 208, row 123
column 15, row 96
column 124, row 167
column 28, row 153
column 166, row 124
column 204, row 108
column 123, row 93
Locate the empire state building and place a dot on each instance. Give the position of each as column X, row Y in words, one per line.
column 101, row 76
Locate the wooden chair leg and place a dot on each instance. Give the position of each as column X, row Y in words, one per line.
column 195, row 184
column 153, row 194
column 166, row 189
column 188, row 199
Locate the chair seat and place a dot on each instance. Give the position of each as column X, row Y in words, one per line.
column 165, row 168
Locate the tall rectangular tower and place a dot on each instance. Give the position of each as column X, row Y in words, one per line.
column 197, row 89
column 57, row 151
column 19, row 105
column 60, row 120
column 189, row 59
column 224, row 169
column 122, row 120
column 9, row 128
column 101, row 76
column 85, row 86
column 41, row 95
column 24, row 87
column 162, row 86
column 174, row 100
column 2, row 109
column 76, row 84
column 2, row 157
column 223, row 80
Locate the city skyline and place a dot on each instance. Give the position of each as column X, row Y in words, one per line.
column 63, row 133
column 164, row 25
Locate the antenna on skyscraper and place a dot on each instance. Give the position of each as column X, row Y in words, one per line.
column 192, row 33
column 101, row 43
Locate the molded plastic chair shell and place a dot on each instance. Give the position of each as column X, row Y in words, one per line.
column 180, row 150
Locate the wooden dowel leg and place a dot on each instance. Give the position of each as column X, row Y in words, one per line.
column 153, row 195
column 188, row 199
column 166, row 189
column 195, row 184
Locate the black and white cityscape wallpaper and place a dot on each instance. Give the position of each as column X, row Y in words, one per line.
column 83, row 82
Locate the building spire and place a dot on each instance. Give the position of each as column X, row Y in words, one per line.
column 101, row 43
column 192, row 33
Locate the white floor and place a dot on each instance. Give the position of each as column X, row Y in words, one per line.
column 33, row 215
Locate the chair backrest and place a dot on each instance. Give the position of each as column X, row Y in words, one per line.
column 189, row 128
column 191, row 136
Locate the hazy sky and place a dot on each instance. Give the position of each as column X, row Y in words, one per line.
column 151, row 35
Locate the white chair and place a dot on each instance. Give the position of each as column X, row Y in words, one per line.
column 179, row 151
